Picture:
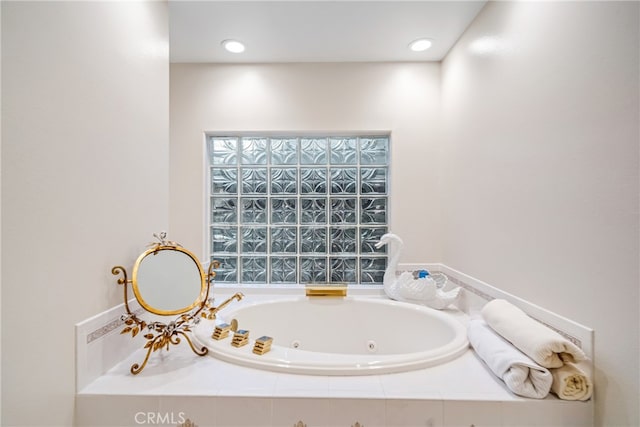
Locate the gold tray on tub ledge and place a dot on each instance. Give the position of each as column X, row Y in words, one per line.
column 326, row 289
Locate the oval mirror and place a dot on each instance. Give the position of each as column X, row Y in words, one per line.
column 168, row 280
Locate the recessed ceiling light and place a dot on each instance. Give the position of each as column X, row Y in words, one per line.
column 233, row 46
column 420, row 45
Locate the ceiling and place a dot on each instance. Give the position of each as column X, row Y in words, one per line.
column 316, row 31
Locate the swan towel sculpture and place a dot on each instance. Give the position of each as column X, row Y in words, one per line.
column 406, row 287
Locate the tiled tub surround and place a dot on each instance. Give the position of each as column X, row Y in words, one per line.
column 177, row 385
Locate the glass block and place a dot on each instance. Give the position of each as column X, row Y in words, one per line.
column 313, row 211
column 343, row 240
column 373, row 180
column 369, row 236
column 283, row 270
column 224, row 240
column 228, row 271
column 254, row 239
column 313, row 180
column 343, row 151
column 223, row 151
column 283, row 211
column 224, row 210
column 278, row 200
column 224, row 181
column 343, row 270
column 313, row 151
column 284, row 151
column 313, row 240
column 313, row 270
column 254, row 269
column 254, row 151
column 372, row 269
column 283, row 239
column 284, row 181
column 373, row 210
column 343, row 211
column 254, row 180
column 344, row 180
column 374, row 151
column 254, row 210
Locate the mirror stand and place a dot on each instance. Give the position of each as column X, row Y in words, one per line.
column 160, row 335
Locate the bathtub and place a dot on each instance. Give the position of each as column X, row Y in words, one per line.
column 338, row 336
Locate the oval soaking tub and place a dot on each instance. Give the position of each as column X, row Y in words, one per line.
column 339, row 336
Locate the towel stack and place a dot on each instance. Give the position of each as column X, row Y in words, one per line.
column 529, row 357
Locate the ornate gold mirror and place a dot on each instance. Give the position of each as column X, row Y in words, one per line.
column 167, row 280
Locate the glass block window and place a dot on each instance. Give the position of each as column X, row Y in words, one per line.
column 289, row 210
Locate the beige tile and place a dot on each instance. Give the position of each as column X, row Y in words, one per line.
column 348, row 412
column 243, row 411
column 115, row 411
column 414, row 413
column 547, row 413
column 467, row 413
column 312, row 412
column 200, row 410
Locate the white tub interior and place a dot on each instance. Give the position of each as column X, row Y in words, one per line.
column 339, row 336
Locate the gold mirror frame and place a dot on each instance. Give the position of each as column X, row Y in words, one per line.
column 202, row 296
column 160, row 335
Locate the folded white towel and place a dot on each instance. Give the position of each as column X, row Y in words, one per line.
column 521, row 374
column 422, row 289
column 572, row 381
column 544, row 345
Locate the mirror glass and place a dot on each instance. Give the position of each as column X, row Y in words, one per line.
column 168, row 280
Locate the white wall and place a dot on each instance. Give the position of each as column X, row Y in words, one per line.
column 84, row 180
column 0, row 212
column 540, row 171
column 401, row 98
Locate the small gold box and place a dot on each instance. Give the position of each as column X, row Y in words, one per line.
column 240, row 338
column 221, row 331
column 262, row 345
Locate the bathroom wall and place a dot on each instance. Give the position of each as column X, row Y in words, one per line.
column 84, row 180
column 0, row 215
column 540, row 171
column 401, row 98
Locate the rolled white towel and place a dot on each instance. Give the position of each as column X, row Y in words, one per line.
column 572, row 381
column 520, row 374
column 544, row 345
